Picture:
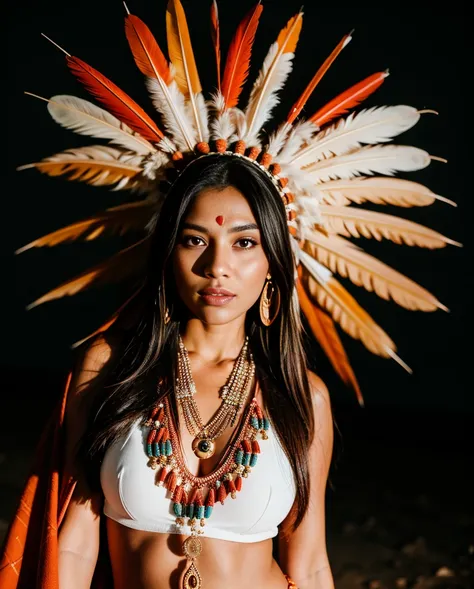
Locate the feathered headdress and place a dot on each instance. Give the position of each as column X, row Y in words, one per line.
column 322, row 166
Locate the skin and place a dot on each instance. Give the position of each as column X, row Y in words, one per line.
column 213, row 254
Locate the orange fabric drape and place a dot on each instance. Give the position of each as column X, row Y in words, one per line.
column 29, row 558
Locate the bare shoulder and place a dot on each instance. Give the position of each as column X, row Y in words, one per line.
column 323, row 419
column 319, row 390
column 89, row 365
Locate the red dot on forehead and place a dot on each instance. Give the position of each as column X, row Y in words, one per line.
column 220, row 220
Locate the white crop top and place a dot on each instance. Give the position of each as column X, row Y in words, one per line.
column 133, row 500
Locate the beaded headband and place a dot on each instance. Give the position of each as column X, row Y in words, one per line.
column 321, row 165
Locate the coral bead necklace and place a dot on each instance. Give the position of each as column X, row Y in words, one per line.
column 193, row 498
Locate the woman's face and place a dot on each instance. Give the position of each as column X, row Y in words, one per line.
column 219, row 263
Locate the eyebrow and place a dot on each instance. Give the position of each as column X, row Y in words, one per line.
column 235, row 229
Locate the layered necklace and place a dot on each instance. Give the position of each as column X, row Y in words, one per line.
column 193, row 498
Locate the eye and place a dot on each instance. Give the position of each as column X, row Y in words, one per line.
column 247, row 243
column 193, row 241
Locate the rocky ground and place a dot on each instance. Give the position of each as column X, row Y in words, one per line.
column 399, row 501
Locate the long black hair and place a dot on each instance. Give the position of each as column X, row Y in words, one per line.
column 146, row 353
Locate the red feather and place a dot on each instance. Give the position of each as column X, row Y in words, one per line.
column 115, row 100
column 348, row 99
column 146, row 52
column 215, row 34
column 299, row 104
column 238, row 58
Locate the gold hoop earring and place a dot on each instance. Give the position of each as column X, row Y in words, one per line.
column 269, row 300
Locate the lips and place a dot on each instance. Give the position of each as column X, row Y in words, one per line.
column 216, row 297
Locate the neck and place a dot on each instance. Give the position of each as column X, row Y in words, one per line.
column 214, row 343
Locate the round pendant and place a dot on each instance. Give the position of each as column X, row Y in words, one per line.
column 192, row 547
column 203, row 447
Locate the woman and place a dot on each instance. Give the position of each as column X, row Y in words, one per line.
column 220, row 235
column 199, row 393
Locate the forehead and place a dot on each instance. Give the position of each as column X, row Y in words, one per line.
column 228, row 202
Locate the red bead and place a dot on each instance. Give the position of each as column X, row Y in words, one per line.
column 231, row 487
column 161, row 414
column 166, row 435
column 192, row 495
column 151, row 436
column 159, row 435
column 198, row 500
column 259, row 413
column 247, row 446
column 255, row 447
column 178, row 494
column 238, row 483
column 171, row 481
column 211, row 498
column 163, row 475
column 221, row 493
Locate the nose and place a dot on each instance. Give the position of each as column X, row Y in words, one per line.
column 216, row 261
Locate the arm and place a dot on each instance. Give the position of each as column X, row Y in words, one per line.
column 78, row 544
column 303, row 554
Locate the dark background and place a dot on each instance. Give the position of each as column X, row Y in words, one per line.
column 414, row 428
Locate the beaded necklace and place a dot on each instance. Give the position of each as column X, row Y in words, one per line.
column 193, row 498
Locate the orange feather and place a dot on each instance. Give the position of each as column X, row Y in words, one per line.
column 215, row 35
column 299, row 104
column 294, row 25
column 348, row 99
column 238, row 58
column 180, row 49
column 115, row 100
column 146, row 52
column 324, row 330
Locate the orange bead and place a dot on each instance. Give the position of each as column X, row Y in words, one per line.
column 221, row 145
column 275, row 169
column 203, row 147
column 266, row 159
column 177, row 155
column 240, row 147
column 253, row 153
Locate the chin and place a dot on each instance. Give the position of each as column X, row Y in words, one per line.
column 217, row 315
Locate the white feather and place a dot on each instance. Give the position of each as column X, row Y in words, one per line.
column 202, row 114
column 264, row 95
column 86, row 118
column 240, row 122
column 217, row 102
column 381, row 159
column 379, row 190
column 277, row 139
column 370, row 126
column 300, row 134
column 169, row 102
column 319, row 272
column 222, row 126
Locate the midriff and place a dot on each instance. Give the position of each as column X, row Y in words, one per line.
column 147, row 560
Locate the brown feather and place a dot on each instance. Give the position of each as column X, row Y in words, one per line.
column 324, row 330
column 369, row 272
column 356, row 222
column 127, row 217
column 97, row 165
column 125, row 263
